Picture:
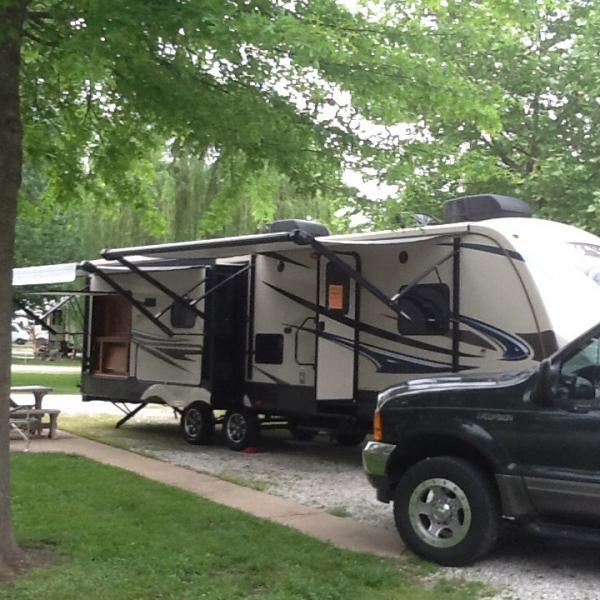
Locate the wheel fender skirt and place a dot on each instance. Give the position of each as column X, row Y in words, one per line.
column 513, row 495
column 177, row 396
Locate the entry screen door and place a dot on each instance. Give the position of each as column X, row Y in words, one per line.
column 337, row 333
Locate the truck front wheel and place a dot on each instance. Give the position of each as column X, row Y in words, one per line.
column 446, row 511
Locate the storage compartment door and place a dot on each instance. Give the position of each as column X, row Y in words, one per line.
column 111, row 335
column 337, row 332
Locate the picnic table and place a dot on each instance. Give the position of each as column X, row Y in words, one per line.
column 33, row 415
column 38, row 391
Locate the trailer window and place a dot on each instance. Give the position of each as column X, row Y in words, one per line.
column 268, row 348
column 425, row 310
column 182, row 316
column 338, row 289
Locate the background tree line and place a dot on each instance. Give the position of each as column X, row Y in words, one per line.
column 516, row 115
column 181, row 196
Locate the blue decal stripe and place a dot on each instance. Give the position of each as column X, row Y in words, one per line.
column 514, row 348
column 365, row 327
column 388, row 361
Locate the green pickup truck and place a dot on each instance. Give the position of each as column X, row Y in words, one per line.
column 457, row 454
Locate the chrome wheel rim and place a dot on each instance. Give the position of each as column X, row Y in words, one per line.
column 439, row 512
column 193, row 422
column 236, row 428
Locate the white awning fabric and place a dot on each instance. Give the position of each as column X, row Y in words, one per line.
column 46, row 274
column 69, row 272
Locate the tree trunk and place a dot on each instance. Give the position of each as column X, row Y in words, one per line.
column 12, row 15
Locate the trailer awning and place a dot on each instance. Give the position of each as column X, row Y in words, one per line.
column 213, row 248
column 45, row 274
column 69, row 272
column 189, row 255
column 279, row 242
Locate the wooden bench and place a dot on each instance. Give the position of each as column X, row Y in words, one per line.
column 36, row 420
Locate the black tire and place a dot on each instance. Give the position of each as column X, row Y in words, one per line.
column 465, row 526
column 241, row 428
column 197, row 423
column 300, row 433
column 349, row 438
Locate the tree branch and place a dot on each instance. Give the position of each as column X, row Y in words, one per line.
column 37, row 39
column 38, row 15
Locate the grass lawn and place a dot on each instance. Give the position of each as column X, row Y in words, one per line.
column 61, row 383
column 121, row 536
column 164, row 434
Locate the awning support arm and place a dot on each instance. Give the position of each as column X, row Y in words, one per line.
column 59, row 305
column 222, row 283
column 422, row 276
column 158, row 285
column 303, row 238
column 170, row 306
column 35, row 318
column 91, row 268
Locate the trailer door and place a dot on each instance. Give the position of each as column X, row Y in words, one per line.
column 223, row 359
column 337, row 345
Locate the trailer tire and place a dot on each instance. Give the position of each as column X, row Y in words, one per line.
column 197, row 423
column 349, row 439
column 241, row 428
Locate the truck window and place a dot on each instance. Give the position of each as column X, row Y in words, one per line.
column 585, row 363
column 424, row 310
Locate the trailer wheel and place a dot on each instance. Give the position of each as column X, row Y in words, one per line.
column 447, row 511
column 241, row 428
column 349, row 439
column 197, row 423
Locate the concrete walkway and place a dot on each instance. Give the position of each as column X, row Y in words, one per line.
column 340, row 531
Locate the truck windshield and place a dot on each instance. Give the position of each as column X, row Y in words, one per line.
column 587, row 258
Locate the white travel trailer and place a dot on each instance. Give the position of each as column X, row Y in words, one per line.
column 300, row 327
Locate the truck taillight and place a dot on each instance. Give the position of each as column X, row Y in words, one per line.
column 377, row 430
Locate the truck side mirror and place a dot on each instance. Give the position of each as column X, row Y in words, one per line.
column 547, row 383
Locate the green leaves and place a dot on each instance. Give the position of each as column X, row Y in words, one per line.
column 521, row 105
column 497, row 97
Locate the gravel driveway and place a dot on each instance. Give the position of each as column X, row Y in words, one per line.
column 322, row 474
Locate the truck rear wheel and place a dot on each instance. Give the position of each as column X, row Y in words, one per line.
column 446, row 511
column 241, row 428
column 197, row 423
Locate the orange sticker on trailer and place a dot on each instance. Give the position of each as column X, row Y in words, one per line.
column 335, row 296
